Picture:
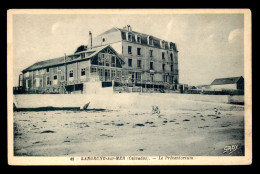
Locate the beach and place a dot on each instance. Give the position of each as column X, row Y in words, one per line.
column 185, row 126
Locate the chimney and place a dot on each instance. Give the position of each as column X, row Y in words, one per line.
column 129, row 27
column 90, row 40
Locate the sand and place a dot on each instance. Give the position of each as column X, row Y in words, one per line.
column 183, row 127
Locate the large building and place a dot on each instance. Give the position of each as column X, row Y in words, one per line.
column 122, row 56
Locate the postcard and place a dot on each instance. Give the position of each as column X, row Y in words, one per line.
column 129, row 86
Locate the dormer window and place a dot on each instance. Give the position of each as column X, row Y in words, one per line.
column 130, row 37
column 163, row 44
column 138, row 39
column 82, row 55
column 151, row 42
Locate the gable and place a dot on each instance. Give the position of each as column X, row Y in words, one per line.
column 107, row 51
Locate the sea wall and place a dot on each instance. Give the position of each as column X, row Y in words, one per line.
column 117, row 101
column 236, row 99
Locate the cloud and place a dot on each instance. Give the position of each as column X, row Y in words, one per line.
column 235, row 35
column 55, row 27
column 210, row 38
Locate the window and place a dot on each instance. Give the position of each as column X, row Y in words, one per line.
column 101, row 72
column 130, row 37
column 82, row 55
column 171, row 68
column 93, row 69
column 47, row 70
column 163, row 67
column 48, row 81
column 55, row 77
column 138, row 76
column 171, row 57
column 130, row 62
column 139, row 51
column 62, row 77
column 151, row 65
column 101, row 59
column 138, row 39
column 103, row 39
column 118, row 74
column 171, row 79
column 139, row 63
column 83, row 71
column 151, row 76
column 163, row 55
column 107, row 60
column 150, row 41
column 131, row 75
column 107, row 74
column 113, row 74
column 71, row 73
column 163, row 44
column 165, row 78
column 151, row 53
column 113, row 61
column 129, row 50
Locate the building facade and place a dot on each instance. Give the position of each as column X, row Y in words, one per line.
column 121, row 56
column 149, row 60
column 69, row 73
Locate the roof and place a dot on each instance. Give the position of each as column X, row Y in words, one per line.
column 70, row 58
column 45, row 63
column 143, row 36
column 230, row 80
column 109, row 31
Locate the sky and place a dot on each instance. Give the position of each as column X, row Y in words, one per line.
column 210, row 45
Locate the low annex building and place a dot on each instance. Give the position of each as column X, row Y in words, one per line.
column 121, row 57
column 67, row 74
column 234, row 83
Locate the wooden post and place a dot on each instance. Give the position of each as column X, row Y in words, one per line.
column 77, row 73
column 65, row 68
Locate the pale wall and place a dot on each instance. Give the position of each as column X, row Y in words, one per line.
column 226, row 86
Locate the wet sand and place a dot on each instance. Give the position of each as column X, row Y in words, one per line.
column 196, row 130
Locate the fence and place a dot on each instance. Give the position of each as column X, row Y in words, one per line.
column 212, row 92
